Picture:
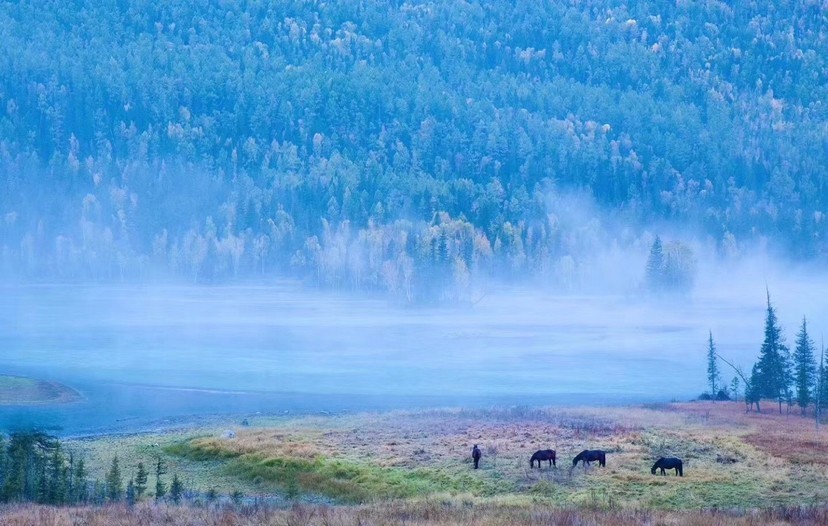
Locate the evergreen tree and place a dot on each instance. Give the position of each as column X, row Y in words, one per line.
column 141, row 478
column 42, row 481
column 655, row 265
column 822, row 396
column 130, row 492
column 57, row 488
column 114, row 482
column 3, row 463
column 734, row 387
column 712, row 368
column 160, row 487
column 804, row 367
column 176, row 489
column 80, row 486
column 773, row 376
column 752, row 393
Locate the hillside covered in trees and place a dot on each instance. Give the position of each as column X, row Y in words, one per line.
column 400, row 146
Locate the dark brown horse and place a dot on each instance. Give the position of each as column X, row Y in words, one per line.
column 590, row 455
column 668, row 463
column 541, row 455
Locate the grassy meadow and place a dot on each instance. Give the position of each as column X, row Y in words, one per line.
column 422, row 513
column 733, row 460
column 19, row 390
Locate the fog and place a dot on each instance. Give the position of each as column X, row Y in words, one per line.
column 141, row 354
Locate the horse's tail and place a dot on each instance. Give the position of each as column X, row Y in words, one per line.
column 603, row 459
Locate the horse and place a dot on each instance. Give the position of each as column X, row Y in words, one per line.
column 476, row 454
column 588, row 456
column 542, row 454
column 668, row 463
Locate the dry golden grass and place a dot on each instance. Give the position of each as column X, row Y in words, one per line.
column 410, row 514
column 372, row 457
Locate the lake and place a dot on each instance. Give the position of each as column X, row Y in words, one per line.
column 146, row 356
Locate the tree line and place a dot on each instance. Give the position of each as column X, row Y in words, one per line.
column 779, row 374
column 35, row 467
column 371, row 146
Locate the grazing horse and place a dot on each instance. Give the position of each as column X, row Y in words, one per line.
column 540, row 455
column 668, row 463
column 588, row 456
column 476, row 454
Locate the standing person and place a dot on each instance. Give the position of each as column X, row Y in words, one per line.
column 476, row 454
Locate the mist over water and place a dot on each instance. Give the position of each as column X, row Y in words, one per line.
column 143, row 354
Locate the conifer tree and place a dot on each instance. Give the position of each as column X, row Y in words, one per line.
column 80, row 487
column 822, row 397
column 57, row 487
column 141, row 481
column 114, row 482
column 160, row 487
column 712, row 368
column 130, row 492
column 772, row 375
column 176, row 489
column 752, row 393
column 804, row 367
column 655, row 265
column 734, row 387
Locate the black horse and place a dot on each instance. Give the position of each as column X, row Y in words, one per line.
column 668, row 463
column 476, row 454
column 590, row 455
column 543, row 454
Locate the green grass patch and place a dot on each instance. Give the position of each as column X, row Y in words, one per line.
column 18, row 390
column 199, row 452
column 340, row 479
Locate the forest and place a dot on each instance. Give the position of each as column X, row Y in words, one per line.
column 35, row 467
column 402, row 147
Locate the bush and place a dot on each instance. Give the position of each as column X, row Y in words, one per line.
column 723, row 395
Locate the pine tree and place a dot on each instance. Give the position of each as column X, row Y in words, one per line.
column 804, row 367
column 80, row 486
column 141, row 478
column 130, row 492
column 823, row 382
column 752, row 393
column 114, row 482
column 4, row 462
column 734, row 387
column 655, row 265
column 773, row 374
column 176, row 489
column 57, row 490
column 712, row 368
column 160, row 487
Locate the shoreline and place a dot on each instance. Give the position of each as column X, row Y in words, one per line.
column 25, row 391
